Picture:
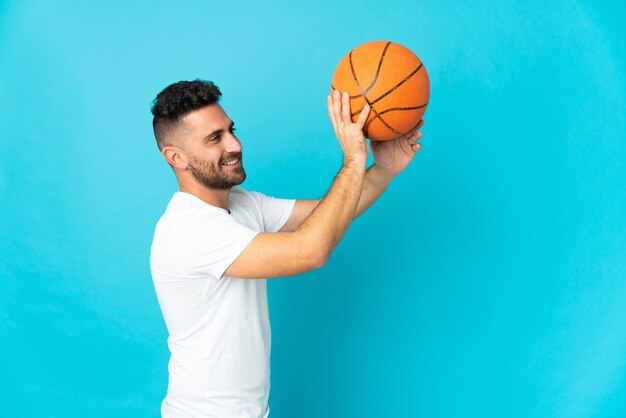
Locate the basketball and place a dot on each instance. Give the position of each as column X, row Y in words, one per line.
column 392, row 80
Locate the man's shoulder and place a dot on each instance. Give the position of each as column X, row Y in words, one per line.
column 245, row 197
column 186, row 209
column 241, row 192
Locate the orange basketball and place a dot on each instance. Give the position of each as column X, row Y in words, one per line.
column 392, row 80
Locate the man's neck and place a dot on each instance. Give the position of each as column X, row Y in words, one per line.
column 213, row 197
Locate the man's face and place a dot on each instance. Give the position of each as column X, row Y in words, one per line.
column 213, row 150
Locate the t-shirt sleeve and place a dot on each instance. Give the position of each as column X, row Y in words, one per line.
column 212, row 244
column 275, row 211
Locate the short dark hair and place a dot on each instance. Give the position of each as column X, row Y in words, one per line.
column 178, row 100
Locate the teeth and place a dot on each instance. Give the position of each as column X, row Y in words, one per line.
column 231, row 162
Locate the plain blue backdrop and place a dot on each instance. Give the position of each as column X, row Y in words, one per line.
column 488, row 281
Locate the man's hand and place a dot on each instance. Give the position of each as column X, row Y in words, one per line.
column 396, row 154
column 350, row 134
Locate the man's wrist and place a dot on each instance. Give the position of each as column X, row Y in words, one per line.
column 382, row 171
column 355, row 162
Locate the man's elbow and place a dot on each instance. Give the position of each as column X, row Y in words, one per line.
column 314, row 255
column 315, row 258
column 319, row 261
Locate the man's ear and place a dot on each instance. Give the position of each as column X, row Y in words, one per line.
column 175, row 157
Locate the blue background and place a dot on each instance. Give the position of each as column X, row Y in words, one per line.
column 488, row 281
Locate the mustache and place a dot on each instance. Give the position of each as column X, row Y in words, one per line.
column 231, row 156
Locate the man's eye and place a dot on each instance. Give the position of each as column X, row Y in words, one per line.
column 232, row 130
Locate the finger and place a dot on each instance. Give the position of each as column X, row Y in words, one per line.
column 415, row 137
column 329, row 104
column 331, row 114
column 416, row 147
column 363, row 116
column 337, row 109
column 414, row 130
column 345, row 108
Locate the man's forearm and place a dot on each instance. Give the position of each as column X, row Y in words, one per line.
column 375, row 183
column 328, row 222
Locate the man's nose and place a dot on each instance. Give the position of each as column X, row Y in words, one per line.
column 232, row 143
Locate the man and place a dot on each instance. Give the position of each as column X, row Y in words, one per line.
column 216, row 244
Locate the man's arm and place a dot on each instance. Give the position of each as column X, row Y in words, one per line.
column 310, row 245
column 390, row 159
column 375, row 183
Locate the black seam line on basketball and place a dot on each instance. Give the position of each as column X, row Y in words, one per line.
column 380, row 64
column 400, row 108
column 396, row 108
column 402, row 134
column 413, row 128
column 351, row 97
column 400, row 83
column 403, row 108
column 393, row 88
column 367, row 100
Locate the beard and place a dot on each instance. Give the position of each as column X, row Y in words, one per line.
column 216, row 176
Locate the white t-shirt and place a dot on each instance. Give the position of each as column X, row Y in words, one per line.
column 219, row 328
